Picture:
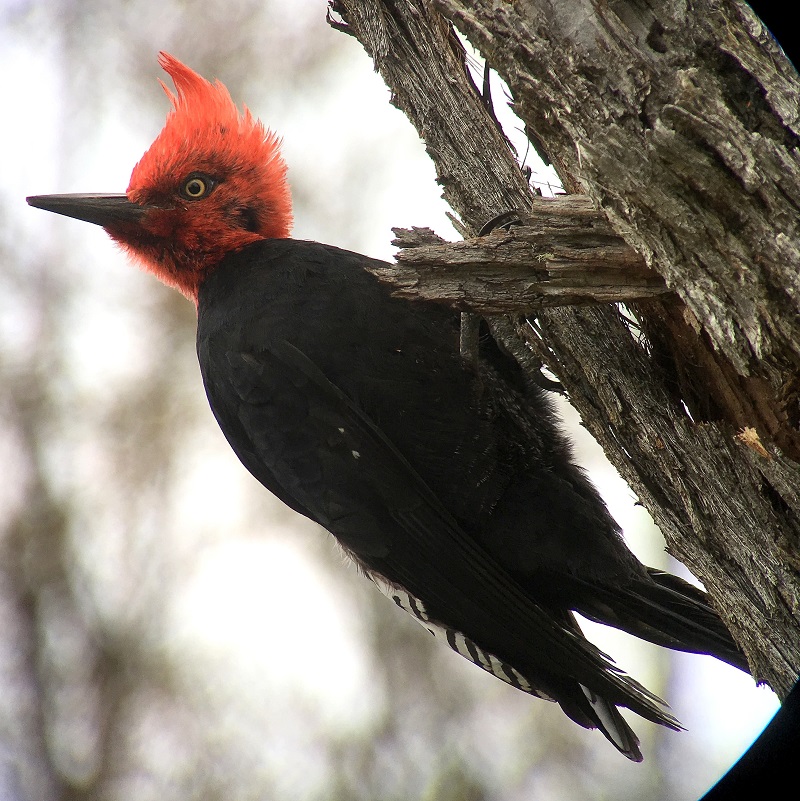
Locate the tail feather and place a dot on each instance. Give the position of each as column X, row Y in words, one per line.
column 592, row 711
column 614, row 726
column 586, row 707
column 667, row 611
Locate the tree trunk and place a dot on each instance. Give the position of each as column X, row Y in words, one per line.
column 681, row 127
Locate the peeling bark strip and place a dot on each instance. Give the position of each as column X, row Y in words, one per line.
column 563, row 252
column 705, row 189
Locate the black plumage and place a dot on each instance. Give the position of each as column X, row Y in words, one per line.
column 449, row 484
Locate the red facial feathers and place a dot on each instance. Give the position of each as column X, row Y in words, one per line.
column 213, row 179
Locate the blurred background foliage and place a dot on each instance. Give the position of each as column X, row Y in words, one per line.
column 168, row 630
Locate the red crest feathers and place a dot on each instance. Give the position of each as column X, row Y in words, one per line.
column 205, row 132
column 207, row 144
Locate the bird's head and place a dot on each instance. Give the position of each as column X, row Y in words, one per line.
column 212, row 182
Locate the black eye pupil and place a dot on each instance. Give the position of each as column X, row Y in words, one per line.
column 195, row 187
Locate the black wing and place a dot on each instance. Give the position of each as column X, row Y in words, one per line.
column 308, row 442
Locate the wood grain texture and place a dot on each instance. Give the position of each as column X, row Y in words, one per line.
column 560, row 252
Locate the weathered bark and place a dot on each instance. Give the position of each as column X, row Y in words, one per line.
column 681, row 126
column 561, row 252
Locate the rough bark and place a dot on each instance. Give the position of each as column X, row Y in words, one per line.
column 561, row 252
column 681, row 122
column 680, row 125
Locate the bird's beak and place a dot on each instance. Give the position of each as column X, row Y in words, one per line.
column 105, row 210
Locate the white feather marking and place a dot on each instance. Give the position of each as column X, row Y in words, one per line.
column 601, row 707
column 456, row 640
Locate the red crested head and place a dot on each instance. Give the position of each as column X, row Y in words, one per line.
column 212, row 182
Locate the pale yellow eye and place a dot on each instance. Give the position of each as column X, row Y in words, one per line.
column 195, row 187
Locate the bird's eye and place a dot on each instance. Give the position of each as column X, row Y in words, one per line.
column 196, row 187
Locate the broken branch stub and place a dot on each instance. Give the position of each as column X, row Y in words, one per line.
column 562, row 252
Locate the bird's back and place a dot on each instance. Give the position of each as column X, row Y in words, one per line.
column 449, row 484
column 398, row 361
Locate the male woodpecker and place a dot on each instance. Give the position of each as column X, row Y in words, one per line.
column 450, row 485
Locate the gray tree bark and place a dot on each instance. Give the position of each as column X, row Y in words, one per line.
column 680, row 126
column 561, row 252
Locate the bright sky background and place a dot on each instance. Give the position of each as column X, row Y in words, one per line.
column 237, row 579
